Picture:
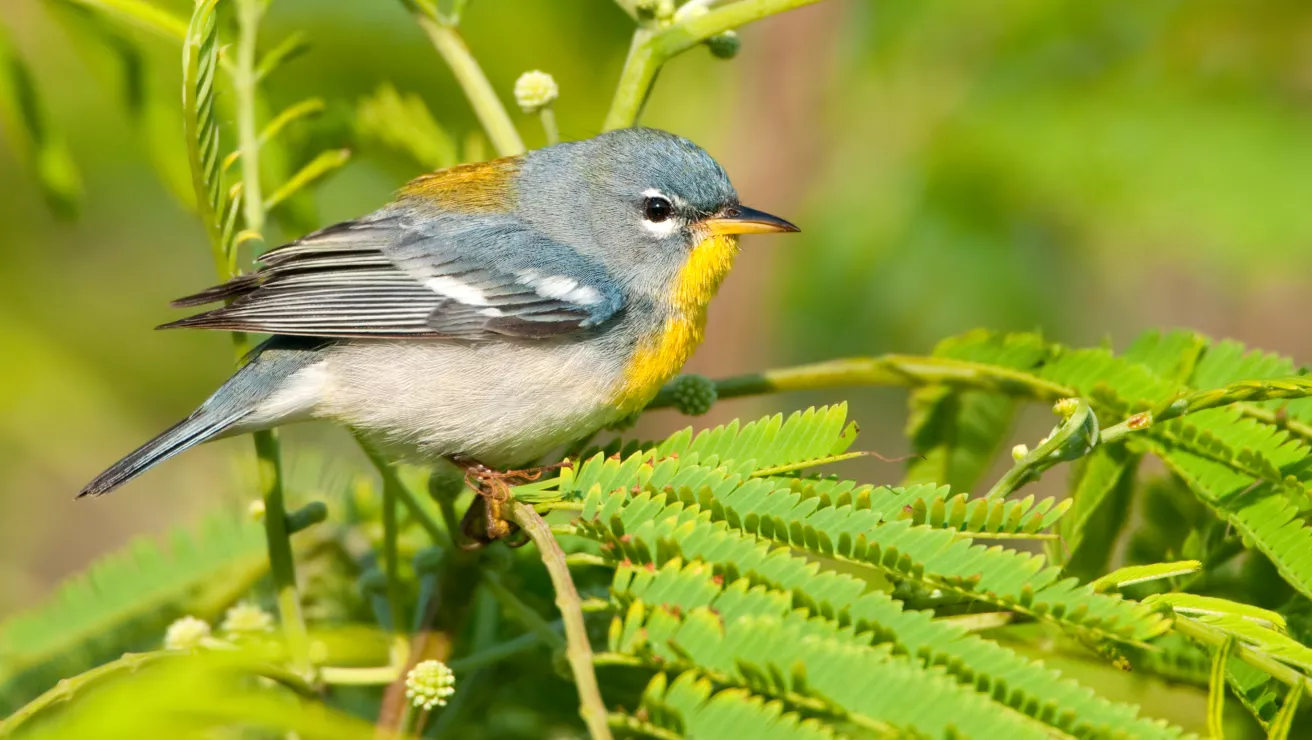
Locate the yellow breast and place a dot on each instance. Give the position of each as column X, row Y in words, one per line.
column 658, row 358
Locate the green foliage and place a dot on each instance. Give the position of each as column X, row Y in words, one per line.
column 27, row 121
column 124, row 601
column 731, row 587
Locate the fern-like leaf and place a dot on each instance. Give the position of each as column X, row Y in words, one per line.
column 125, row 600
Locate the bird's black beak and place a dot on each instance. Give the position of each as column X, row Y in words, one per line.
column 744, row 220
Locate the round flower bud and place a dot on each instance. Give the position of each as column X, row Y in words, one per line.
column 724, row 45
column 186, row 633
column 535, row 90
column 1019, row 452
column 693, row 395
column 246, row 619
column 256, row 509
column 429, row 684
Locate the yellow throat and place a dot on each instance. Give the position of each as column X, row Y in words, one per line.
column 659, row 358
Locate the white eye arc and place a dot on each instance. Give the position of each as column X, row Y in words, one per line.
column 658, row 213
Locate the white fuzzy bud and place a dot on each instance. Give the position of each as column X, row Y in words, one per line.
column 246, row 619
column 1019, row 452
column 429, row 684
column 535, row 90
column 186, row 633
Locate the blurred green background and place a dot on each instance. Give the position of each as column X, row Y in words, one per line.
column 1091, row 170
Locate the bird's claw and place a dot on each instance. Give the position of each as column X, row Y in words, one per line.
column 488, row 517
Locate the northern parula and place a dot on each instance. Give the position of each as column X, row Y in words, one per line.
column 490, row 313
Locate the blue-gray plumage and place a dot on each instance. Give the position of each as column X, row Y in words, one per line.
column 491, row 312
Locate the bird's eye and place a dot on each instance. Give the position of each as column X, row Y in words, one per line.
column 657, row 209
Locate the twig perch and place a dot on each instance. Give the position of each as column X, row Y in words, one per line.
column 578, row 651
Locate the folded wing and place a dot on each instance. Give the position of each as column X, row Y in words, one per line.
column 390, row 276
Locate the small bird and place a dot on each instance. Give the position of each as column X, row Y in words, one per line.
column 489, row 314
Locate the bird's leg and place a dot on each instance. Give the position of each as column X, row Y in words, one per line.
column 487, row 519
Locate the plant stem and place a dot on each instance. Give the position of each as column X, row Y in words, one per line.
column 521, row 612
column 549, row 127
column 1215, row 638
column 650, row 50
column 886, row 370
column 578, row 650
column 391, row 555
column 128, row 663
column 392, row 488
column 497, row 653
column 487, row 106
column 249, row 13
column 282, row 565
column 405, row 495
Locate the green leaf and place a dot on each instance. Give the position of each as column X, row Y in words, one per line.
column 1193, row 605
column 404, row 123
column 1216, row 689
column 776, row 583
column 1100, row 487
column 691, row 707
column 26, row 118
column 200, row 59
column 769, row 654
column 140, row 13
column 317, row 168
column 125, row 600
column 1132, row 574
column 1284, row 719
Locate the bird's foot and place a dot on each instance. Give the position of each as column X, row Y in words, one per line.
column 487, row 519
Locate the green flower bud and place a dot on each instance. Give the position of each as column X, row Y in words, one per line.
column 429, row 684
column 724, row 45
column 1065, row 407
column 693, row 395
column 535, row 90
column 246, row 619
column 186, row 633
column 1019, row 452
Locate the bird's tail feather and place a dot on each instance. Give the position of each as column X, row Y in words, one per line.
column 191, row 431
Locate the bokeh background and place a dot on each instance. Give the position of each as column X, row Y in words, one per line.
column 1088, row 169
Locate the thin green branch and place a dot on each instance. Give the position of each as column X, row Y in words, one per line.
column 1215, row 638
column 244, row 80
column 578, row 651
column 282, row 564
column 497, row 653
column 521, row 612
column 391, row 480
column 487, row 106
column 886, row 370
column 1074, row 437
column 142, row 14
column 651, row 49
column 69, row 688
column 549, row 127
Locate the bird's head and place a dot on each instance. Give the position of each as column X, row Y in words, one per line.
column 655, row 209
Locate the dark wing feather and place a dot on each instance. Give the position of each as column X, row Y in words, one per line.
column 384, row 277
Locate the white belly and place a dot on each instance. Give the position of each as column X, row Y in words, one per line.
column 499, row 403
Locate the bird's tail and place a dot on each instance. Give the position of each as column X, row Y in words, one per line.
column 201, row 426
column 271, row 364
